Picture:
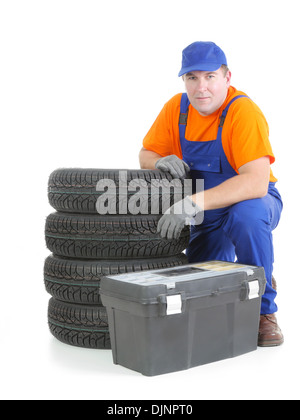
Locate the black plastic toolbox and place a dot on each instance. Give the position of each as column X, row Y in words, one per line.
column 173, row 319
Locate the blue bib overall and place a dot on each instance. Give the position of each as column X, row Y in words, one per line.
column 241, row 232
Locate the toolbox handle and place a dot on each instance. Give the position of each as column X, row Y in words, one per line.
column 248, row 290
column 174, row 303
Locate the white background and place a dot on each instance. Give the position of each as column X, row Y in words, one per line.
column 81, row 83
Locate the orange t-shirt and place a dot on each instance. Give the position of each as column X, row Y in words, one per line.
column 245, row 134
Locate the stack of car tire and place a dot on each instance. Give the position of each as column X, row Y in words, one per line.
column 87, row 245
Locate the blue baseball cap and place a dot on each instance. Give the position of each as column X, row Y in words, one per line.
column 202, row 56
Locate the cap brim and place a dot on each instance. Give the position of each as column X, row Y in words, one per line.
column 200, row 67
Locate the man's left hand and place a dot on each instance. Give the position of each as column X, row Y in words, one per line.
column 176, row 217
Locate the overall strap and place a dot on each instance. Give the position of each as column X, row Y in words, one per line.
column 183, row 117
column 224, row 113
column 184, row 109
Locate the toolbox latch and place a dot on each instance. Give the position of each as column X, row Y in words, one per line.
column 174, row 304
column 253, row 289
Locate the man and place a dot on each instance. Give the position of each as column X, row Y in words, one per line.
column 218, row 134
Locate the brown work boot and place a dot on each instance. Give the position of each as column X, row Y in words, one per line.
column 269, row 333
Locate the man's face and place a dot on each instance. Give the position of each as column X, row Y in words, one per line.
column 207, row 90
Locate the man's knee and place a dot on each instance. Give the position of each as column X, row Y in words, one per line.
column 247, row 217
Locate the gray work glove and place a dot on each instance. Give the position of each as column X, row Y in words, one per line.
column 184, row 212
column 175, row 166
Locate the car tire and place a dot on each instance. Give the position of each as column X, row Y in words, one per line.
column 110, row 237
column 78, row 281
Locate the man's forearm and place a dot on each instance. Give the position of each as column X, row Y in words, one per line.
column 148, row 159
column 236, row 189
column 252, row 182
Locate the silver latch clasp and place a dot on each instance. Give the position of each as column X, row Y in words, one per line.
column 174, row 304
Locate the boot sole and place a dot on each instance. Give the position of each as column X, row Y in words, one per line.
column 270, row 343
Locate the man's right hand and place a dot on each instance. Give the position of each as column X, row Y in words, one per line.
column 175, row 166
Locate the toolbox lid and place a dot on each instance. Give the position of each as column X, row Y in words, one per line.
column 170, row 276
column 201, row 279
